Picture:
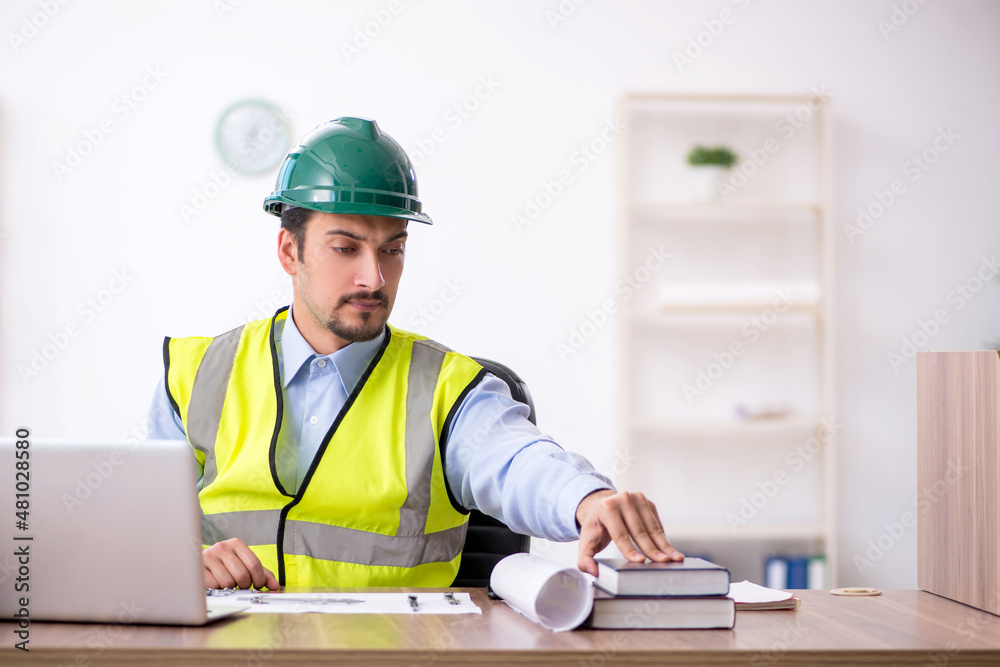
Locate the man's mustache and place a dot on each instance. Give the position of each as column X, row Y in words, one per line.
column 378, row 295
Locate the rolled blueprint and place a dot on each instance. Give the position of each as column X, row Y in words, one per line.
column 554, row 596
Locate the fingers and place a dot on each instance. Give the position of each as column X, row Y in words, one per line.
column 647, row 530
column 593, row 538
column 231, row 564
column 631, row 521
column 622, row 524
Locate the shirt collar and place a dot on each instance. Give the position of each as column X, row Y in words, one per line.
column 350, row 361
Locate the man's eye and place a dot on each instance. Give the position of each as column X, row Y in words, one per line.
column 343, row 251
column 394, row 251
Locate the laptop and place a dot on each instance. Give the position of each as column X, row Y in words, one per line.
column 111, row 533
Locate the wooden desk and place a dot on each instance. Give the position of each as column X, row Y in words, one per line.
column 896, row 628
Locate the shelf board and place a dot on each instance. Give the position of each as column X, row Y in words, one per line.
column 714, row 318
column 798, row 297
column 751, row 531
column 726, row 104
column 726, row 428
column 721, row 307
column 713, row 211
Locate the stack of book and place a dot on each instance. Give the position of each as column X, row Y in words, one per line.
column 688, row 594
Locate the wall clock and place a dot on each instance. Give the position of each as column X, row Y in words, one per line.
column 253, row 136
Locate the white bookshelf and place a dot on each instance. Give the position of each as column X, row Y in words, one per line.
column 754, row 269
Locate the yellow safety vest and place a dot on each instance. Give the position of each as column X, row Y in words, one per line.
column 374, row 508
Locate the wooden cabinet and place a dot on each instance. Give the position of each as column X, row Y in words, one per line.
column 957, row 505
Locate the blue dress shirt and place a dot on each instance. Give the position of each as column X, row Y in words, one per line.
column 496, row 460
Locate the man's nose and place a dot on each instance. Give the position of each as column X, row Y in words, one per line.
column 369, row 273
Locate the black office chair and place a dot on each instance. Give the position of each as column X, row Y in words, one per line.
column 488, row 541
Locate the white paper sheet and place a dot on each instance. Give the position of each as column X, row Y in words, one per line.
column 556, row 597
column 367, row 603
column 746, row 591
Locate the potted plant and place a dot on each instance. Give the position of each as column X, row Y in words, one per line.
column 709, row 167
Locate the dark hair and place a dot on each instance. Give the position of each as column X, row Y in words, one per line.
column 294, row 219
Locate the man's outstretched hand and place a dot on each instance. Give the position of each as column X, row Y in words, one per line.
column 231, row 564
column 627, row 518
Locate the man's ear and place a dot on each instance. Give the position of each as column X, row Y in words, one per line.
column 288, row 252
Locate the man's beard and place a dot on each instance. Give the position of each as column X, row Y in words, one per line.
column 372, row 322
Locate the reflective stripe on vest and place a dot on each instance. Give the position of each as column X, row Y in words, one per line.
column 207, row 396
column 431, row 393
column 335, row 542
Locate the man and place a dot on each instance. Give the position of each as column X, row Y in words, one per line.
column 338, row 450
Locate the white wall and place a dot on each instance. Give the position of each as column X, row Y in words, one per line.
column 64, row 239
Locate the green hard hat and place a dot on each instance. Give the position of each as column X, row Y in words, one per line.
column 347, row 165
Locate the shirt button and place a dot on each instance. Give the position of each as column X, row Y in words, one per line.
column 314, row 420
column 321, row 363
